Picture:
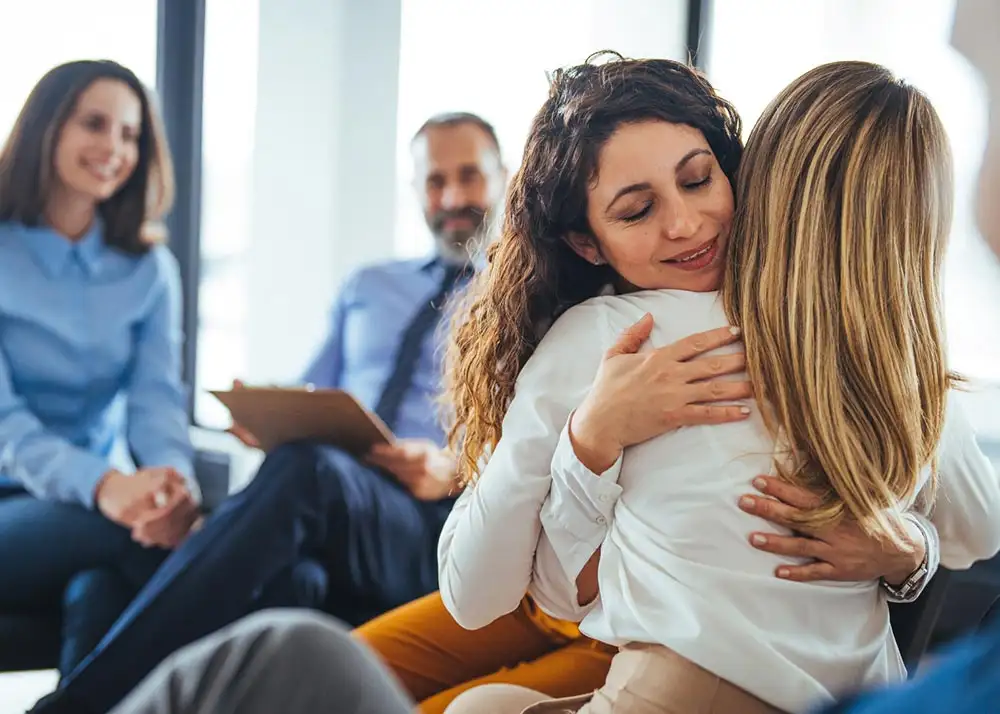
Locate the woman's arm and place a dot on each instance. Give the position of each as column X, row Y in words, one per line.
column 631, row 401
column 49, row 466
column 842, row 551
column 158, row 427
column 488, row 543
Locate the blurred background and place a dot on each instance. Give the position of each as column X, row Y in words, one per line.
column 290, row 121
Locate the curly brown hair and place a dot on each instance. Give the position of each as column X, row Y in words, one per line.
column 533, row 276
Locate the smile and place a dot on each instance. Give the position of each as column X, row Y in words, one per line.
column 698, row 258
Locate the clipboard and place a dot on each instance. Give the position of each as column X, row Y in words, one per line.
column 276, row 416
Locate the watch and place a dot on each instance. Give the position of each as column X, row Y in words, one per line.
column 904, row 591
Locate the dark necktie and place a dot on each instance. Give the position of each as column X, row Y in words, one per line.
column 410, row 348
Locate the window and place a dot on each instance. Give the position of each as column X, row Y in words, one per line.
column 230, row 100
column 50, row 32
column 758, row 46
column 494, row 63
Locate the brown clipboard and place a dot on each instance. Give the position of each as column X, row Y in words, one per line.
column 276, row 416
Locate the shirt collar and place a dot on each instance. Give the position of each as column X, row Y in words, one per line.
column 55, row 252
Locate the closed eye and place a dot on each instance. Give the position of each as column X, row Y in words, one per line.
column 639, row 215
column 698, row 184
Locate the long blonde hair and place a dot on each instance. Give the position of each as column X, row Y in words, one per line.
column 843, row 212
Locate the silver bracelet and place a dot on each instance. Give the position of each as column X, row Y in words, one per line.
column 914, row 580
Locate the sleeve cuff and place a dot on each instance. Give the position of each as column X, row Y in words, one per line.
column 86, row 479
column 932, row 557
column 577, row 513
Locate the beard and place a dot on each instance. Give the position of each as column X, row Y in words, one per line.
column 473, row 216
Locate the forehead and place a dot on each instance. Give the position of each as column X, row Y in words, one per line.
column 110, row 96
column 444, row 147
column 976, row 34
column 640, row 152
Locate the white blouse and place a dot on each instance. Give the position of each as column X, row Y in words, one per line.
column 676, row 568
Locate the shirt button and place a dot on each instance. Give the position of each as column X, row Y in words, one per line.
column 602, row 520
column 605, row 497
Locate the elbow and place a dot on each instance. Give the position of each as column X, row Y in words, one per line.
column 979, row 540
column 470, row 615
column 474, row 608
column 986, row 538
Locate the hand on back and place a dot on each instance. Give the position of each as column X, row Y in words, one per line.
column 637, row 396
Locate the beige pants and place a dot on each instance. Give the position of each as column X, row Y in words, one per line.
column 644, row 679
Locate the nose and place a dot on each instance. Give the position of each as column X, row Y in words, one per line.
column 681, row 220
column 111, row 143
column 454, row 196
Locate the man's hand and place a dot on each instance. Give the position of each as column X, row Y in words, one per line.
column 426, row 470
column 841, row 552
column 239, row 431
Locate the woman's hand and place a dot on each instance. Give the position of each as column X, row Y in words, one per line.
column 170, row 520
column 123, row 498
column 841, row 552
column 636, row 397
column 154, row 503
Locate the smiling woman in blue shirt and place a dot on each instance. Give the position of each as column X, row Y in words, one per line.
column 96, row 478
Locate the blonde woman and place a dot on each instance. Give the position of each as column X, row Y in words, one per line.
column 830, row 273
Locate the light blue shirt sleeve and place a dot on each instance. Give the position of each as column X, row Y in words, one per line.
column 158, row 428
column 47, row 465
column 327, row 366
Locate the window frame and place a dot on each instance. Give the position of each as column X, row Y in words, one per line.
column 179, row 81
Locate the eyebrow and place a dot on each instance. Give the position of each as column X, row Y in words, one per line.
column 645, row 185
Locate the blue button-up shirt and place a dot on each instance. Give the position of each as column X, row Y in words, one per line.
column 370, row 315
column 90, row 363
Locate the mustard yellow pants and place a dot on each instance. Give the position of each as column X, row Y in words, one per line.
column 436, row 659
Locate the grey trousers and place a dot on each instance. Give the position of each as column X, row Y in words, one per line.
column 273, row 662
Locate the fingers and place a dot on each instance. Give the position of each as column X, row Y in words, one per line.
column 691, row 347
column 244, row 435
column 698, row 414
column 718, row 391
column 238, row 384
column 713, row 366
column 791, row 546
column 632, row 337
column 796, row 496
column 166, row 527
column 808, row 573
column 771, row 510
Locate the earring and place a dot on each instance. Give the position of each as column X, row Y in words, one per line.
column 598, row 260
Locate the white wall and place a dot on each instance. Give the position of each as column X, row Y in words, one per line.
column 324, row 170
column 324, row 167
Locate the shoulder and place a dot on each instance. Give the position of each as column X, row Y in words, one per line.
column 9, row 231
column 375, row 275
column 12, row 237
column 160, row 267
column 605, row 316
column 388, row 270
column 573, row 347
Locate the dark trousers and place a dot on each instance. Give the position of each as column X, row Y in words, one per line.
column 62, row 560
column 376, row 542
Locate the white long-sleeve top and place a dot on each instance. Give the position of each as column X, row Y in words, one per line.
column 676, row 568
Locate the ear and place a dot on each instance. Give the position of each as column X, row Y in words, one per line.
column 585, row 247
